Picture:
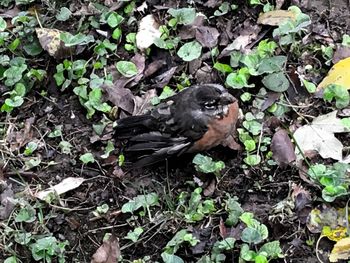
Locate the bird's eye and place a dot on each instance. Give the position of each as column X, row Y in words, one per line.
column 210, row 105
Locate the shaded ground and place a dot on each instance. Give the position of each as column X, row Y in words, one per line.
column 265, row 192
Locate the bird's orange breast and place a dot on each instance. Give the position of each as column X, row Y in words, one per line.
column 218, row 130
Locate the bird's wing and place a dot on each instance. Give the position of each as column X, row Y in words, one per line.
column 155, row 136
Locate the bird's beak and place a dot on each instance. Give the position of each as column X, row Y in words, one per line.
column 226, row 98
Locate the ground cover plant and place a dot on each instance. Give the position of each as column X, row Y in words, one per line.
column 70, row 69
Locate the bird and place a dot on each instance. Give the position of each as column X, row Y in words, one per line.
column 195, row 119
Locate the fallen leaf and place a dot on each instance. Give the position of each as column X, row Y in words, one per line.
column 341, row 52
column 275, row 17
column 9, row 13
column 108, row 252
column 247, row 35
column 142, row 104
column 148, row 31
column 319, row 136
column 207, row 36
column 6, row 206
column 329, row 221
column 120, row 97
column 164, row 78
column 338, row 74
column 341, row 250
column 50, row 41
column 66, row 185
column 282, row 148
column 17, row 139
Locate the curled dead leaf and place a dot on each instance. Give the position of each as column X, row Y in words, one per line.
column 282, row 148
column 108, row 252
column 50, row 41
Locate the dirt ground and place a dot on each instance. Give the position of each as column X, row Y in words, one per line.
column 259, row 190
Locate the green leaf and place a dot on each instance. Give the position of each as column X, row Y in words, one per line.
column 223, row 9
column 276, row 82
column 234, row 210
column 26, row 214
column 135, row 234
column 12, row 259
column 250, row 145
column 140, row 201
column 251, row 236
column 246, row 253
column 345, row 41
column 252, row 160
column 184, row 16
column 239, row 79
column 126, row 68
column 75, row 40
column 31, row 163
column 311, row 87
column 339, row 93
column 272, row 249
column 205, row 164
column 224, row 68
column 65, row 147
column 190, row 51
column 3, row 24
column 87, row 158
column 108, row 150
column 345, row 122
column 260, row 259
column 271, row 65
column 14, row 102
column 117, row 33
column 171, row 258
column 114, row 19
column 57, row 132
column 14, row 44
column 30, row 148
column 64, row 14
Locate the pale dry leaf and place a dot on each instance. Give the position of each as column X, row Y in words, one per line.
column 319, row 136
column 147, row 33
column 341, row 250
column 108, row 252
column 50, row 41
column 66, row 185
column 275, row 17
column 282, row 148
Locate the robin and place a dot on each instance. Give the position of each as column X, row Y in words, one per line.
column 196, row 119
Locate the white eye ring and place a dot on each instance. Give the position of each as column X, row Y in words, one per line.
column 210, row 105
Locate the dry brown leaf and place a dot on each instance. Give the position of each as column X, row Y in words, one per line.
column 108, row 252
column 207, row 36
column 282, row 148
column 275, row 17
column 50, row 41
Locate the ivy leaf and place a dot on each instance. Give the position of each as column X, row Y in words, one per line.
column 64, row 14
column 190, row 51
column 184, row 16
column 277, row 82
column 126, row 68
column 114, row 19
column 87, row 158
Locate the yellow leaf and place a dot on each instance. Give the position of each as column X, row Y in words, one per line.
column 334, row 234
column 275, row 17
column 341, row 250
column 338, row 74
